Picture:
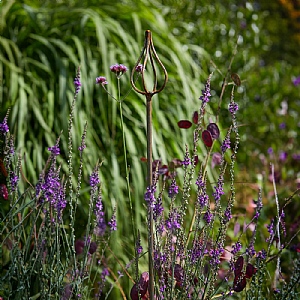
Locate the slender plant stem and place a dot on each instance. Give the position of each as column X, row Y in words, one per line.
column 125, row 158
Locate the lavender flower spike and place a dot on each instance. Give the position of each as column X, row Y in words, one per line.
column 206, row 92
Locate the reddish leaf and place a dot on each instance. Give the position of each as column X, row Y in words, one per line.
column 214, row 130
column 2, row 168
column 3, row 191
column 207, row 139
column 236, row 79
column 238, row 266
column 239, row 283
column 184, row 124
column 250, row 271
column 195, row 117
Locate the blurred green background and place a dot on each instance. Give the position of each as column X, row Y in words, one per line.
column 43, row 43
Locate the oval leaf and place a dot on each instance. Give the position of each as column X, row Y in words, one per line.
column 184, row 124
column 250, row 270
column 207, row 139
column 195, row 117
column 214, row 130
column 236, row 79
column 238, row 266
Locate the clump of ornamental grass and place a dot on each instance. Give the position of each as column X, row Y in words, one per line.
column 41, row 255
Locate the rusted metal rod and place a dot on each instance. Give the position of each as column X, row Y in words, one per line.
column 149, row 54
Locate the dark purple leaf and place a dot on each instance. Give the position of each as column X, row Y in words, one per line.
column 214, row 130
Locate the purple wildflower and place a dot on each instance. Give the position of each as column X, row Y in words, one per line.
column 262, row 254
column 13, row 181
column 158, row 209
column 113, row 221
column 119, row 70
column 94, row 178
column 139, row 68
column 77, row 84
column 233, row 107
column 101, row 283
column 149, row 195
column 202, row 199
column 270, row 150
column 101, row 80
column 200, row 182
column 138, row 247
column 54, row 150
column 218, row 190
column 227, row 214
column 282, row 215
column 236, row 248
column 250, row 250
column 11, row 146
column 173, row 221
column 187, row 160
column 270, row 228
column 173, row 190
column 282, row 125
column 282, row 156
column 208, row 217
column 215, row 255
column 50, row 190
column 3, row 126
column 206, row 92
column 296, row 81
column 226, row 144
column 196, row 252
column 100, row 217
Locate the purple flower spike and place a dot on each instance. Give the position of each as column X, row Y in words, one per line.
column 173, row 190
column 113, row 222
column 225, row 145
column 3, row 126
column 233, row 107
column 54, row 150
column 206, row 92
column 94, row 179
column 77, row 84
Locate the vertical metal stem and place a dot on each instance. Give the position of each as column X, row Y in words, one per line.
column 150, row 212
column 149, row 53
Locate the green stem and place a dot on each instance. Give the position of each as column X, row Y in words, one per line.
column 125, row 158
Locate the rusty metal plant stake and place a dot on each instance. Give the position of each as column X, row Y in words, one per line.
column 149, row 53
